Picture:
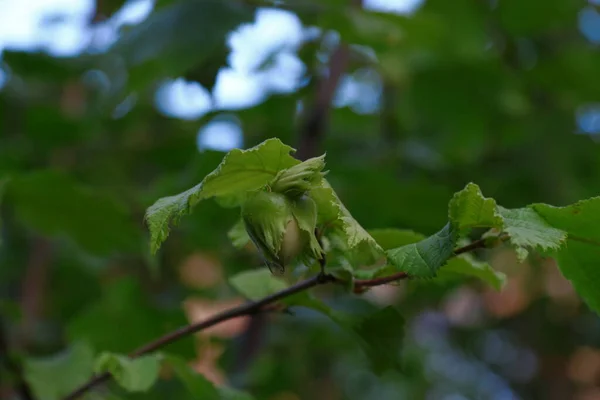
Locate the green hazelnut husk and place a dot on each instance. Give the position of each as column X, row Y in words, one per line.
column 282, row 228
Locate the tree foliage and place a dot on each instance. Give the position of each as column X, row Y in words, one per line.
column 116, row 228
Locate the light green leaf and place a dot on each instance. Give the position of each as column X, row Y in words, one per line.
column 238, row 235
column 305, row 211
column 134, row 375
column 467, row 265
column 52, row 378
column 239, row 172
column 257, row 284
column 526, row 229
column 336, row 220
column 423, row 259
column 469, row 209
column 578, row 259
column 55, row 205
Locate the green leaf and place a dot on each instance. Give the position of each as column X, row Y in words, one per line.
column 200, row 387
column 423, row 259
column 467, row 265
column 53, row 204
column 239, row 172
column 336, row 220
column 578, row 259
column 238, row 235
column 469, row 209
column 527, row 229
column 257, row 284
column 381, row 335
column 134, row 375
column 54, row 377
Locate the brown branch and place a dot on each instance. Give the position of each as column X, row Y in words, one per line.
column 243, row 310
column 252, row 308
column 33, row 288
column 314, row 125
column 361, row 284
column 478, row 244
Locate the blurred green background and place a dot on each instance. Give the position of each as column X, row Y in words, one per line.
column 107, row 105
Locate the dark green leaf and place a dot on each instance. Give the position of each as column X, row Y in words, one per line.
column 199, row 386
column 53, row 204
column 125, row 305
column 423, row 259
column 381, row 335
column 196, row 384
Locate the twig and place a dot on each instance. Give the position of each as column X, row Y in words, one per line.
column 478, row 244
column 245, row 309
column 361, row 284
column 253, row 308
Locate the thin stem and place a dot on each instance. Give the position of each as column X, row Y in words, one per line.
column 253, row 308
column 239, row 311
column 361, row 284
column 478, row 244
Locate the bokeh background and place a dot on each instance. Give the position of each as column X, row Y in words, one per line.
column 107, row 105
